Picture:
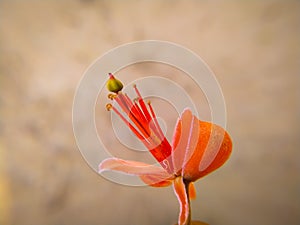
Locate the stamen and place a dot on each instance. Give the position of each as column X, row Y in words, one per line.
column 111, row 96
column 123, row 106
column 129, row 109
column 137, row 110
column 128, row 100
column 159, row 131
column 142, row 104
column 132, row 111
column 135, row 116
column 140, row 136
column 141, row 121
column 157, row 135
column 137, row 91
column 125, row 102
column 108, row 106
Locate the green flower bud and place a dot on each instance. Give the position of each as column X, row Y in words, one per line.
column 113, row 84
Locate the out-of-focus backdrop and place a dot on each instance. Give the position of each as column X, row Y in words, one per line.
column 45, row 46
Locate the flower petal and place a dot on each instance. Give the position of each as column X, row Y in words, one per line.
column 213, row 148
column 130, row 167
column 180, row 191
column 156, row 180
column 192, row 191
column 150, row 174
column 182, row 138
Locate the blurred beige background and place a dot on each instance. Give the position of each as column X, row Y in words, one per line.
column 253, row 48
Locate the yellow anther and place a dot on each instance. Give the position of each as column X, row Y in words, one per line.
column 108, row 106
column 111, row 96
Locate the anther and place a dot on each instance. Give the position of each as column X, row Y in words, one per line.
column 108, row 106
column 111, row 96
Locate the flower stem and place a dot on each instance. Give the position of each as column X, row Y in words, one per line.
column 187, row 185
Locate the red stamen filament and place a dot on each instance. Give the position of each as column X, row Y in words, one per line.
column 130, row 109
column 158, row 129
column 142, row 104
column 140, row 136
column 134, row 130
column 146, row 127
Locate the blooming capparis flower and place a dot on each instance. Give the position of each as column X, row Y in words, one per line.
column 197, row 148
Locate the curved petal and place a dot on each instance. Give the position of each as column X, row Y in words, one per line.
column 181, row 193
column 150, row 174
column 213, row 148
column 156, row 180
column 184, row 139
column 192, row 191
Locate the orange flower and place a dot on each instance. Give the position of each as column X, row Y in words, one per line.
column 197, row 149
